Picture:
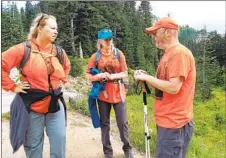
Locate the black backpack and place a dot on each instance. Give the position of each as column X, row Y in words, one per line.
column 60, row 55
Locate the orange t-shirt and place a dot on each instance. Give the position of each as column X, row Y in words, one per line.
column 175, row 110
column 112, row 89
column 35, row 71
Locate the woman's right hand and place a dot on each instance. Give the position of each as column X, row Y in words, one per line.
column 21, row 87
column 103, row 76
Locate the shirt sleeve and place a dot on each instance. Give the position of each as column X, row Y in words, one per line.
column 123, row 65
column 11, row 58
column 179, row 66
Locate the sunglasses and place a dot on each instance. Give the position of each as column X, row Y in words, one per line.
column 108, row 39
column 106, row 30
column 158, row 31
column 42, row 17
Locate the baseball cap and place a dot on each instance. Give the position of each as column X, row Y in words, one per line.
column 105, row 34
column 162, row 23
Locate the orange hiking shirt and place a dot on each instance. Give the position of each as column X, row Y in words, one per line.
column 35, row 71
column 112, row 89
column 175, row 110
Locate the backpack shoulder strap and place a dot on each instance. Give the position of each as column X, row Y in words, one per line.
column 60, row 54
column 97, row 57
column 27, row 49
column 117, row 55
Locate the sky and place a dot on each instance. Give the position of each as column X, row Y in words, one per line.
column 196, row 14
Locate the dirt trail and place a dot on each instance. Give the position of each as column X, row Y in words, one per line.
column 83, row 141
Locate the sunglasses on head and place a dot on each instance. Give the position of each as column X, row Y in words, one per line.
column 108, row 39
column 106, row 30
column 42, row 17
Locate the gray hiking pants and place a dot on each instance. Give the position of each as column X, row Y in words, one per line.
column 173, row 143
column 122, row 123
column 55, row 130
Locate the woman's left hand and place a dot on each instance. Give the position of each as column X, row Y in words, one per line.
column 21, row 87
column 62, row 86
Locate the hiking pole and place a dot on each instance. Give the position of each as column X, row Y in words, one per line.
column 146, row 134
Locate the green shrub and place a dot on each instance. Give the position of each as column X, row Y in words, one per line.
column 203, row 93
column 78, row 66
column 134, row 87
column 220, row 121
column 81, row 106
column 6, row 115
column 132, row 82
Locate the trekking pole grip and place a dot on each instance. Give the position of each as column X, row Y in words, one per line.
column 144, row 92
column 144, row 98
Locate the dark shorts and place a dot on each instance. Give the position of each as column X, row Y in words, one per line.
column 173, row 143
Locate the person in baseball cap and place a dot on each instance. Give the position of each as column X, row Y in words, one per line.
column 174, row 85
column 111, row 64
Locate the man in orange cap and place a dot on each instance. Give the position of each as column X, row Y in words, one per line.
column 174, row 85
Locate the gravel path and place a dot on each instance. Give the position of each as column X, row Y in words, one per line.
column 83, row 141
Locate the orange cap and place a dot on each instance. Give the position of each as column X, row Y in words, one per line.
column 162, row 23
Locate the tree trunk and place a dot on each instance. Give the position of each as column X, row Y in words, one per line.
column 12, row 7
column 80, row 50
column 72, row 37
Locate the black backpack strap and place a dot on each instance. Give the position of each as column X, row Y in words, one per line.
column 27, row 49
column 60, row 54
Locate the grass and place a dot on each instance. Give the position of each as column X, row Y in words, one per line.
column 136, row 121
column 209, row 134
column 208, row 140
column 80, row 105
column 6, row 115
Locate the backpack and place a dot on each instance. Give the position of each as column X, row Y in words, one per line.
column 27, row 50
column 117, row 55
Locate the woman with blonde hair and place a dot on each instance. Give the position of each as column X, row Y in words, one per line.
column 111, row 61
column 39, row 91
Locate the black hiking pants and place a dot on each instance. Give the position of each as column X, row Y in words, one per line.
column 122, row 123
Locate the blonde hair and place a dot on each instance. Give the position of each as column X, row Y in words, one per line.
column 38, row 22
column 112, row 45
